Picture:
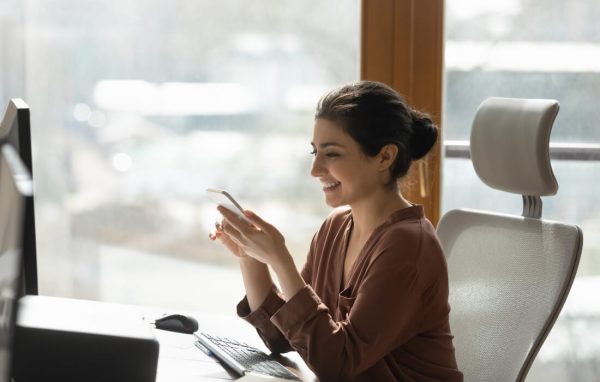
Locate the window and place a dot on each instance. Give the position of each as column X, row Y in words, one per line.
column 533, row 49
column 138, row 106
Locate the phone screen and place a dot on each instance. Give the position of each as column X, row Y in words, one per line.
column 223, row 198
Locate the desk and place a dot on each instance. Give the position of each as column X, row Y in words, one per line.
column 179, row 360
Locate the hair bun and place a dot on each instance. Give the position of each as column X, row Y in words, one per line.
column 424, row 135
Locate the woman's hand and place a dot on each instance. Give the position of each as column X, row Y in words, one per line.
column 260, row 240
column 257, row 279
column 226, row 240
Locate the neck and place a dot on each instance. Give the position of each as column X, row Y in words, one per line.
column 373, row 211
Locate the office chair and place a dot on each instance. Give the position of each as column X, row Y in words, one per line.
column 509, row 275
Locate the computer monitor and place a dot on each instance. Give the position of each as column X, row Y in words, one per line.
column 15, row 130
column 15, row 187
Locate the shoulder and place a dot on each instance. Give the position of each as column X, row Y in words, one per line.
column 405, row 231
column 410, row 240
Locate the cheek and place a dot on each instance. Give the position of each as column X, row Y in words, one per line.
column 340, row 172
column 362, row 174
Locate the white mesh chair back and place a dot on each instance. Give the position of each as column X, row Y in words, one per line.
column 509, row 275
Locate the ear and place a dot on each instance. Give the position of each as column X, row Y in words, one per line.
column 386, row 157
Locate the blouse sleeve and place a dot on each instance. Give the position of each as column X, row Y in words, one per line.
column 261, row 320
column 261, row 317
column 384, row 314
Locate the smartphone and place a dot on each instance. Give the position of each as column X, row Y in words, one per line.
column 223, row 198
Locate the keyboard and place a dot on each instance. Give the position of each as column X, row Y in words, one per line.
column 241, row 357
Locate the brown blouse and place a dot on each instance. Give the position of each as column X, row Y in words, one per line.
column 389, row 323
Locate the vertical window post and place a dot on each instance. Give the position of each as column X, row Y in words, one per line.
column 402, row 45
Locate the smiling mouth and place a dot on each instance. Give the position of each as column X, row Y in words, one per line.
column 329, row 186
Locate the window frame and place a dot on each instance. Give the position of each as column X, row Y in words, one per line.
column 402, row 45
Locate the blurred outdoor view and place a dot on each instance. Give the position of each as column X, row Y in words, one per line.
column 138, row 106
column 535, row 49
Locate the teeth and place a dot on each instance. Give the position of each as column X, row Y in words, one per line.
column 329, row 184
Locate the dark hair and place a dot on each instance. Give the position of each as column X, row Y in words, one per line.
column 375, row 115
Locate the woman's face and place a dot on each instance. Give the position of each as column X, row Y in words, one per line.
column 348, row 176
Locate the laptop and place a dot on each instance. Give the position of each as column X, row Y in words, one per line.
column 15, row 187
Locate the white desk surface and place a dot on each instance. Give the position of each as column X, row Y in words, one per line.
column 181, row 361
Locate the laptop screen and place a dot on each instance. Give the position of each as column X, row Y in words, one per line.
column 15, row 187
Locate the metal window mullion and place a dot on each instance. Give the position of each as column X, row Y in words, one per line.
column 575, row 152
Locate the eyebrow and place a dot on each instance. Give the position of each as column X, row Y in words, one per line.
column 327, row 144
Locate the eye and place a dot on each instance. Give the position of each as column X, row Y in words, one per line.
column 313, row 152
column 332, row 155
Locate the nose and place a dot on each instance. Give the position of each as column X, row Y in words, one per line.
column 316, row 169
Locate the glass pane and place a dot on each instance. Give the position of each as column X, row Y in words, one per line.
column 11, row 54
column 534, row 49
column 528, row 49
column 138, row 106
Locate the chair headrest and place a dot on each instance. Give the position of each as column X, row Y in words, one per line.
column 510, row 141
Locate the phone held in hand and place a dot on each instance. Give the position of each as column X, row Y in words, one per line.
column 223, row 198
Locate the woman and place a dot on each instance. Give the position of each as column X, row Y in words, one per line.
column 371, row 302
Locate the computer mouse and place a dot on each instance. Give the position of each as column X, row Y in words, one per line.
column 177, row 323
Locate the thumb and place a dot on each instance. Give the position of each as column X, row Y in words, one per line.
column 257, row 220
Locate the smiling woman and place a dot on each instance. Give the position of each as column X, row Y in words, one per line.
column 371, row 302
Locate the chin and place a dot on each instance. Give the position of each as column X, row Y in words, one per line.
column 333, row 203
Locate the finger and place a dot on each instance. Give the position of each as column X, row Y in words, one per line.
column 234, row 219
column 220, row 236
column 231, row 243
column 231, row 231
column 216, row 235
column 228, row 243
column 257, row 220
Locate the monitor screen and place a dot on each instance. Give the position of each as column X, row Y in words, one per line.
column 15, row 188
column 15, row 129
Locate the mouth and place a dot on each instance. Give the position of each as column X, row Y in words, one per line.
column 330, row 186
